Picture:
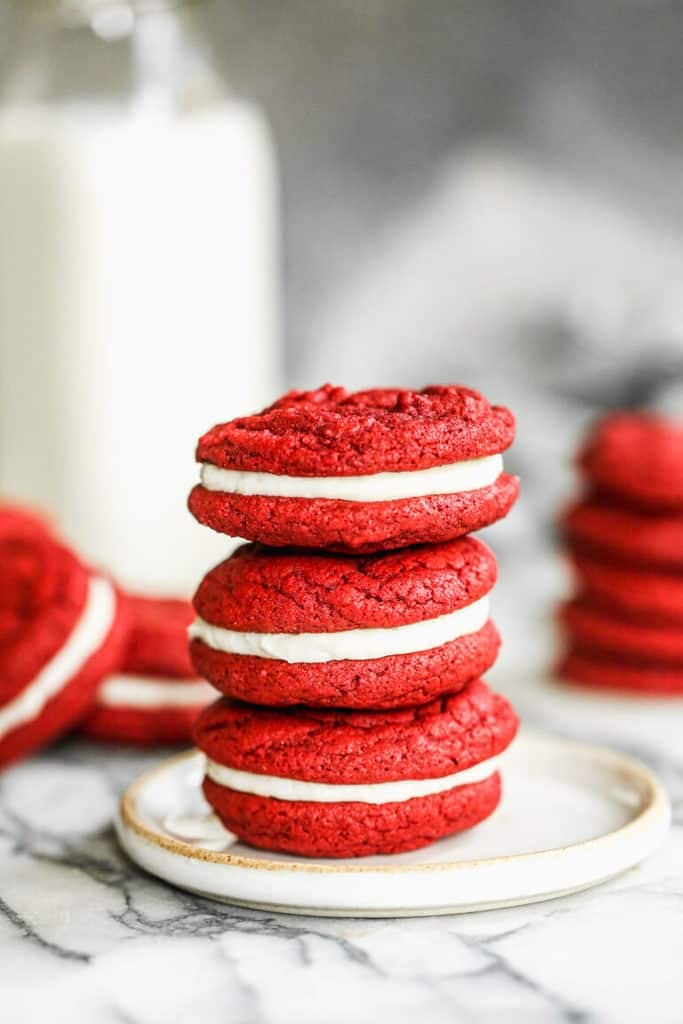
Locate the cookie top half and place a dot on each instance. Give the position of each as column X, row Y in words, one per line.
column 334, row 432
column 445, row 736
column 638, row 456
column 292, row 591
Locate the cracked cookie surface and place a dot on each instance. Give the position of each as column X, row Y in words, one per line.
column 334, row 432
column 447, row 735
column 331, row 433
column 315, row 592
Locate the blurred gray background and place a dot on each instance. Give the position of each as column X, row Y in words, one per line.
column 481, row 191
column 487, row 192
column 381, row 105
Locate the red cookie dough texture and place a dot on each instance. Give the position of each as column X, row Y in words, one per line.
column 438, row 739
column 335, row 433
column 638, row 457
column 262, row 591
column 354, row 526
column 46, row 597
column 157, row 651
column 394, row 681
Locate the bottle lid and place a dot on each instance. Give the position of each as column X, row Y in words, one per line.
column 110, row 19
column 85, row 10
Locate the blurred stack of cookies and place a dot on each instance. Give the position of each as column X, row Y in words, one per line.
column 624, row 626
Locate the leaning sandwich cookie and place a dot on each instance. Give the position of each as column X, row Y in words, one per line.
column 62, row 631
column 282, row 627
column 354, row 783
column 358, row 471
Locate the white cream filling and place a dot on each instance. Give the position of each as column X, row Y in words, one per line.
column 144, row 692
column 326, row 793
column 468, row 475
column 86, row 637
column 351, row 644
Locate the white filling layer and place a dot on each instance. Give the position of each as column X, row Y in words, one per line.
column 366, row 793
column 351, row 644
column 469, row 475
column 145, row 692
column 86, row 637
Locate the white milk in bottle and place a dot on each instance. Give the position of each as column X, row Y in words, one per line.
column 138, row 278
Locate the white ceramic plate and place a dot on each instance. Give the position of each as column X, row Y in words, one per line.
column 572, row 816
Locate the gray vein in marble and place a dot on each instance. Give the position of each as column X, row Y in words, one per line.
column 88, row 937
column 29, row 933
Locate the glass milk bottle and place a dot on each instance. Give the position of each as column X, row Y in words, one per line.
column 138, row 276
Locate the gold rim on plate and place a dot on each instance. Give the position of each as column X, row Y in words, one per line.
column 654, row 803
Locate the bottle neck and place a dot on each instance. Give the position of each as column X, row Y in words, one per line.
column 147, row 54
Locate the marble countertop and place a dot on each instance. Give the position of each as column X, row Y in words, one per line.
column 87, row 938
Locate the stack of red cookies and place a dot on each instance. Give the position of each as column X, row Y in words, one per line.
column 625, row 539
column 76, row 651
column 350, row 638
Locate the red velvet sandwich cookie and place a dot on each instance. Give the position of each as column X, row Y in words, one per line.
column 638, row 456
column 594, row 627
column 591, row 668
column 146, row 711
column 62, row 630
column 282, row 627
column 363, row 471
column 635, row 537
column 352, row 783
column 155, row 697
column 656, row 597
